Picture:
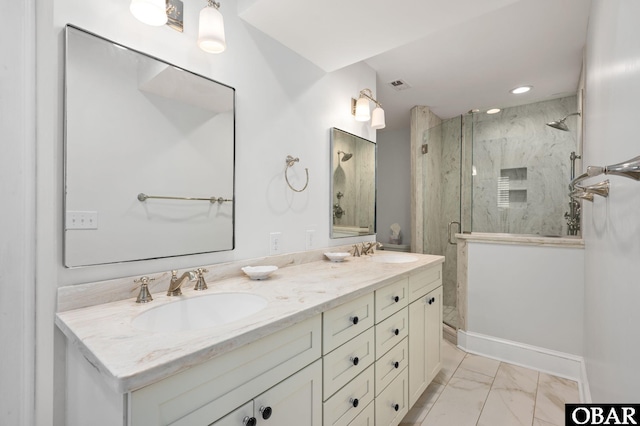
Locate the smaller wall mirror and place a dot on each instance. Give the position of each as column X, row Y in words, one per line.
column 353, row 185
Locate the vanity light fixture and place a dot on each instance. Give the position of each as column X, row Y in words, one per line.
column 493, row 111
column 211, row 37
column 211, row 29
column 360, row 109
column 150, row 12
column 520, row 89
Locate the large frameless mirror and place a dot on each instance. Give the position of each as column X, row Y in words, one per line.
column 353, row 185
column 149, row 156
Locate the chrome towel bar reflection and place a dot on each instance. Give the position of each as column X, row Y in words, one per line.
column 144, row 197
column 290, row 162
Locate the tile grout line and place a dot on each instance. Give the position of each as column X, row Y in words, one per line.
column 487, row 397
column 443, row 388
column 535, row 401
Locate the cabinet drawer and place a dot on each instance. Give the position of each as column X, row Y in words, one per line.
column 391, row 365
column 346, row 362
column 424, row 282
column 366, row 417
column 391, row 331
column 346, row 321
column 349, row 401
column 201, row 394
column 393, row 403
column 391, row 299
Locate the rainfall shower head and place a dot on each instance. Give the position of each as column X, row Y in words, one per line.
column 346, row 156
column 560, row 124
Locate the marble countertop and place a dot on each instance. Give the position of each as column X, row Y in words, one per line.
column 528, row 239
column 129, row 359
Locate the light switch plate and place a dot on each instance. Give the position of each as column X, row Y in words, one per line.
column 82, row 220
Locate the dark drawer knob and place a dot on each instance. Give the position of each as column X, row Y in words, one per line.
column 249, row 421
column 396, row 364
column 355, row 360
column 396, row 331
column 396, row 407
column 354, row 320
column 354, row 402
column 430, row 301
column 266, row 412
column 396, row 299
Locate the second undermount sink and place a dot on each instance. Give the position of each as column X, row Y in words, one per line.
column 200, row 312
column 393, row 258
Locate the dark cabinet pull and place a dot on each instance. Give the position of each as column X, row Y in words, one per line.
column 396, row 299
column 354, row 402
column 354, row 320
column 396, row 331
column 396, row 364
column 266, row 412
column 249, row 421
column 431, row 300
column 355, row 360
column 396, row 407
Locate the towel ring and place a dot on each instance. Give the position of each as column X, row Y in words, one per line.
column 290, row 162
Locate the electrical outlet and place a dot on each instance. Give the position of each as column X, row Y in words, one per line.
column 274, row 243
column 82, row 220
column 310, row 241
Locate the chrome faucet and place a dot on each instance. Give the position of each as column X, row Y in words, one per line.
column 176, row 283
column 368, row 248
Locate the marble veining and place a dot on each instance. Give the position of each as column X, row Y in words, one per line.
column 129, row 359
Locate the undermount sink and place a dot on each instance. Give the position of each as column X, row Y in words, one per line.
column 393, row 258
column 200, row 312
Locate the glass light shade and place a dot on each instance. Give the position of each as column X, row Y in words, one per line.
column 150, row 12
column 377, row 118
column 211, row 31
column 362, row 109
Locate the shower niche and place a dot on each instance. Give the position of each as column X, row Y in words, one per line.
column 513, row 184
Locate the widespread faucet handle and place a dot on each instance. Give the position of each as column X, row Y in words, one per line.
column 144, row 296
column 201, row 284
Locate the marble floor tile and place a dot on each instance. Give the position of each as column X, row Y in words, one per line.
column 422, row 406
column 538, row 422
column 511, row 400
column 461, row 401
column 473, row 390
column 451, row 359
column 480, row 364
column 553, row 393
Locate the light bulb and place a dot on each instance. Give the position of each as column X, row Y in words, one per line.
column 362, row 109
column 211, row 30
column 150, row 12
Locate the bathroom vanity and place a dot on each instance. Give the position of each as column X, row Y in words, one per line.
column 349, row 343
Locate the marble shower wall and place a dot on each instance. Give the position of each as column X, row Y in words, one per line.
column 523, row 168
column 441, row 186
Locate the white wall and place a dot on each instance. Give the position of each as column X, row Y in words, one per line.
column 394, row 183
column 285, row 105
column 17, row 216
column 527, row 294
column 611, row 226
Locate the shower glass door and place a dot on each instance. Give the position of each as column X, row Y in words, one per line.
column 442, row 195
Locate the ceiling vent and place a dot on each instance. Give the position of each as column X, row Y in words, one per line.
column 399, row 85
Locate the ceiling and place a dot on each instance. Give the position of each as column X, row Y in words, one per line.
column 455, row 55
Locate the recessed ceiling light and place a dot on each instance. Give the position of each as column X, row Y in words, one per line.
column 521, row 89
column 493, row 111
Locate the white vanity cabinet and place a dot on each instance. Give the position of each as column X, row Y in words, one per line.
column 295, row 401
column 362, row 363
column 425, row 330
column 205, row 393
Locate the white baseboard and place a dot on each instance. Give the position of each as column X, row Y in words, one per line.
column 545, row 360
